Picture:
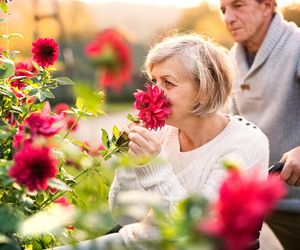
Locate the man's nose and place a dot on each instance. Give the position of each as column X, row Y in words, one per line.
column 229, row 16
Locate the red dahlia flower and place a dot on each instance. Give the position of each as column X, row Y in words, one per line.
column 153, row 106
column 110, row 52
column 45, row 51
column 244, row 201
column 33, row 166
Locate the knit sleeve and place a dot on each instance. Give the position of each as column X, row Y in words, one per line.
column 125, row 180
column 252, row 157
column 158, row 177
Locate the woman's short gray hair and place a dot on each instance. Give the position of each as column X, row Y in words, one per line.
column 207, row 63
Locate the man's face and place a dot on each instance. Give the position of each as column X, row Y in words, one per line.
column 246, row 20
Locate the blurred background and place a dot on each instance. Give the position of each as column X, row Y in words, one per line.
column 76, row 23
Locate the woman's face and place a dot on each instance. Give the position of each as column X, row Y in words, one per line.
column 178, row 86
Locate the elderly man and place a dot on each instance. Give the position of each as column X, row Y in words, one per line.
column 267, row 55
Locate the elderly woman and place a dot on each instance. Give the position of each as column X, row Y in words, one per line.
column 196, row 78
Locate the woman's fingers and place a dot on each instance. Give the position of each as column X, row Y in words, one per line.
column 142, row 143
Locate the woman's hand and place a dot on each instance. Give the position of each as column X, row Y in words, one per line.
column 142, row 142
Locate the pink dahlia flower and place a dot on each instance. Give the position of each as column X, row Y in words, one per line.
column 45, row 51
column 33, row 166
column 153, row 106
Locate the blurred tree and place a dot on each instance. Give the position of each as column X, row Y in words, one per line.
column 292, row 13
column 205, row 20
column 77, row 19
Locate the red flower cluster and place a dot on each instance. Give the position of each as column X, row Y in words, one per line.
column 25, row 69
column 45, row 51
column 35, row 125
column 153, row 106
column 33, row 166
column 244, row 201
column 111, row 54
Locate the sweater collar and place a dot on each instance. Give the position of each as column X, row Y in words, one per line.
column 273, row 35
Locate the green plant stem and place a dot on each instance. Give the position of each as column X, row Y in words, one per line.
column 60, row 193
column 7, row 40
column 70, row 129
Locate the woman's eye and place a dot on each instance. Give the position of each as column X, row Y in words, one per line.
column 168, row 84
column 153, row 81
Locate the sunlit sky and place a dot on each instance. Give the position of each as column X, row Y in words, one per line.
column 178, row 3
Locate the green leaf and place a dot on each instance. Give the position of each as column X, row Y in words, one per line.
column 79, row 103
column 64, row 81
column 39, row 198
column 58, row 184
column 10, row 36
column 122, row 142
column 132, row 118
column 7, row 68
column 16, row 109
column 116, row 132
column 4, row 135
column 5, row 163
column 104, row 138
column 88, row 100
column 3, row 7
column 47, row 93
column 3, row 20
column 5, row 90
column 33, row 92
column 10, row 218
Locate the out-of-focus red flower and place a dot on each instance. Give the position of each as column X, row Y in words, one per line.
column 63, row 201
column 45, row 51
column 69, row 120
column 60, row 108
column 71, row 123
column 11, row 119
column 52, row 190
column 42, row 123
column 36, row 125
column 21, row 138
column 153, row 106
column 244, row 201
column 25, row 69
column 111, row 55
column 33, row 166
column 93, row 151
column 71, row 228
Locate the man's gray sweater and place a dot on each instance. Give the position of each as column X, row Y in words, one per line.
column 268, row 93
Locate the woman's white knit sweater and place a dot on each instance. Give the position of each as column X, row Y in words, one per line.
column 175, row 174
